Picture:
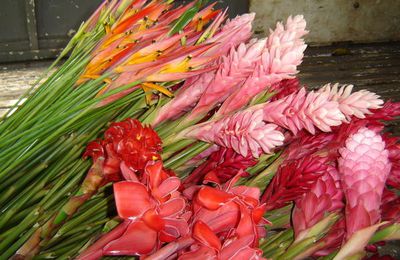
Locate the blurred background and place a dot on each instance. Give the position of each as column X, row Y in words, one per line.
column 350, row 41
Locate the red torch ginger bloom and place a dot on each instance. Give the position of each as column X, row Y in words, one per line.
column 324, row 197
column 221, row 166
column 292, row 180
column 127, row 142
column 154, row 213
column 227, row 223
column 364, row 167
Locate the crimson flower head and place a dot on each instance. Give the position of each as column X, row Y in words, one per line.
column 127, row 142
column 220, row 167
column 227, row 223
column 293, row 179
column 153, row 210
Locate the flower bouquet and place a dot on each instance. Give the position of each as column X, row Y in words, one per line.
column 170, row 133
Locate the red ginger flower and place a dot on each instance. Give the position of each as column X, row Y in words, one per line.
column 325, row 196
column 390, row 206
column 154, row 213
column 221, row 166
column 364, row 166
column 127, row 142
column 227, row 223
column 293, row 179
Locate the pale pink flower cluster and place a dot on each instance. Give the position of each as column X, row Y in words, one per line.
column 233, row 34
column 246, row 71
column 245, row 132
column 364, row 167
column 283, row 52
column 304, row 110
column 323, row 109
column 232, row 73
column 356, row 104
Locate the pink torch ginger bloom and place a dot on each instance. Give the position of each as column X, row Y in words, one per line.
column 283, row 53
column 232, row 73
column 194, row 87
column 364, row 167
column 245, row 132
column 358, row 103
column 304, row 110
column 153, row 213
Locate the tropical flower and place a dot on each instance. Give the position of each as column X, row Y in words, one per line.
column 283, row 52
column 364, row 167
column 356, row 104
column 233, row 33
column 154, row 213
column 128, row 143
column 324, row 197
column 227, row 223
column 304, row 110
column 221, row 166
column 293, row 179
column 245, row 132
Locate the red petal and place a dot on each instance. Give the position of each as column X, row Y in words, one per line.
column 167, row 187
column 95, row 251
column 246, row 225
column 128, row 173
column 212, row 176
column 138, row 239
column 172, row 207
column 237, row 245
column 205, row 235
column 131, row 198
column 212, row 198
column 155, row 173
column 153, row 220
column 258, row 213
column 203, row 253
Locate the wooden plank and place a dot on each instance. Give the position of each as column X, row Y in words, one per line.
column 31, row 24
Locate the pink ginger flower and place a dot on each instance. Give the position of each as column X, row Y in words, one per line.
column 186, row 98
column 356, row 104
column 232, row 34
column 304, row 110
column 154, row 212
column 221, row 166
column 364, row 167
column 233, row 71
column 324, row 197
column 284, row 51
column 293, row 179
column 245, row 132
